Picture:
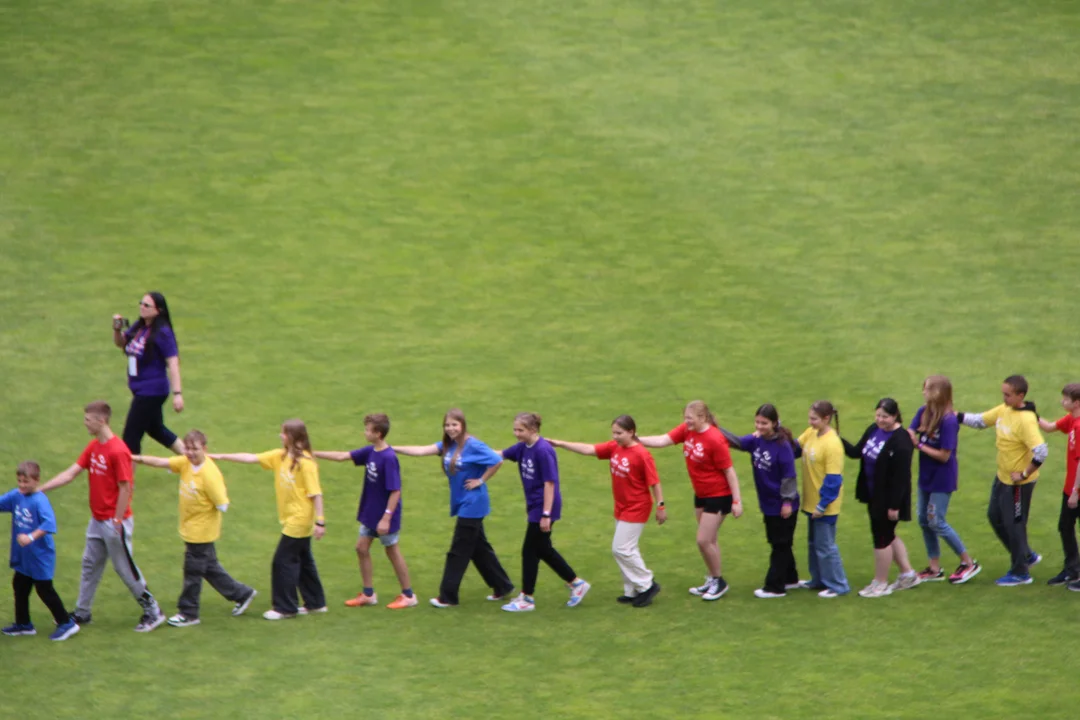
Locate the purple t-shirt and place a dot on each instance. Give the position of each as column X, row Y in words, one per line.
column 935, row 476
column 773, row 460
column 870, row 452
column 150, row 376
column 382, row 476
column 537, row 466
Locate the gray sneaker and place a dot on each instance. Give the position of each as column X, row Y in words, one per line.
column 149, row 621
column 906, row 581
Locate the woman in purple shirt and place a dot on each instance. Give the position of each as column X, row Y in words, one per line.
column 884, row 486
column 153, row 368
column 935, row 431
column 773, row 459
column 539, row 469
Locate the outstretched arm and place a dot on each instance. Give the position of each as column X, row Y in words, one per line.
column 579, row 448
column 1047, row 426
column 151, row 461
column 248, row 458
column 972, row 420
column 416, row 450
column 656, row 441
column 62, row 479
column 334, row 455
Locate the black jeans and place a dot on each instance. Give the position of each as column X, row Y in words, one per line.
column 144, row 418
column 1008, row 515
column 200, row 562
column 294, row 569
column 537, row 547
column 22, row 585
column 470, row 544
column 780, row 533
column 1067, row 528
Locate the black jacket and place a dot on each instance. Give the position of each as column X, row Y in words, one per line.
column 892, row 474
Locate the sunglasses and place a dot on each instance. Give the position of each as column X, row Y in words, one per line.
column 147, row 305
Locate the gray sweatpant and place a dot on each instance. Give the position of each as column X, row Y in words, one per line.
column 104, row 543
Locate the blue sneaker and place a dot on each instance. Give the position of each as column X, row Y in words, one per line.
column 1034, row 559
column 63, row 632
column 1009, row 580
column 577, row 592
column 17, row 629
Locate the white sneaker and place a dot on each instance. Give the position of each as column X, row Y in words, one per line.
column 795, row 585
column 305, row 611
column 181, row 620
column 827, row 593
column 275, row 615
column 876, row 590
column 242, row 606
column 905, row 581
column 765, row 594
column 702, row 589
column 499, row 598
column 716, row 589
column 522, row 603
column 577, row 593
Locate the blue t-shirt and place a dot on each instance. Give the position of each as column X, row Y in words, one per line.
column 936, row 476
column 773, row 460
column 29, row 513
column 538, row 466
column 382, row 476
column 151, row 376
column 870, row 453
column 475, row 459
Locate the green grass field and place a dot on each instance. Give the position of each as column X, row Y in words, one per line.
column 579, row 208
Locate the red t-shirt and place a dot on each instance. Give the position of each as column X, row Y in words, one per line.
column 633, row 472
column 1071, row 426
column 707, row 457
column 109, row 464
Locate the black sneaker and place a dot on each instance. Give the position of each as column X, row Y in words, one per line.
column 624, row 599
column 1062, row 578
column 646, row 598
column 80, row 620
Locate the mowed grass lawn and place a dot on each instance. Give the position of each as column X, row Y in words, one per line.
column 578, row 208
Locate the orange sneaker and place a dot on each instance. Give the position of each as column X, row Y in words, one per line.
column 361, row 600
column 403, row 602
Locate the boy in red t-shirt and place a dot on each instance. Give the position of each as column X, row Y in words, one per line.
column 633, row 479
column 108, row 536
column 1070, row 513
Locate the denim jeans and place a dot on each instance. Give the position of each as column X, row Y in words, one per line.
column 826, row 567
column 932, row 510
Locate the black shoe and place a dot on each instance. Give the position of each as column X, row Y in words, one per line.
column 80, row 620
column 1062, row 578
column 646, row 597
column 624, row 599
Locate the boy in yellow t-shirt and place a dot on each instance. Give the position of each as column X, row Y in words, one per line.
column 203, row 499
column 300, row 511
column 1021, row 449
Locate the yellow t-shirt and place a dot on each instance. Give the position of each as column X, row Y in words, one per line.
column 821, row 455
column 201, row 491
column 1017, row 435
column 295, row 487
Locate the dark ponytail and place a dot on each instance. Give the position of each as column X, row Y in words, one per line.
column 770, row 413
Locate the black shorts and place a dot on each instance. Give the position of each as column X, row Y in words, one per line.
column 883, row 530
column 714, row 505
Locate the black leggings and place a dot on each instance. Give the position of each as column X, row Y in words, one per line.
column 537, row 547
column 22, row 585
column 145, row 418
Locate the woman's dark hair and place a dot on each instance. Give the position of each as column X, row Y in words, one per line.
column 768, row 411
column 163, row 319
column 626, row 423
column 891, row 407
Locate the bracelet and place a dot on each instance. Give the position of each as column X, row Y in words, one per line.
column 320, row 524
column 546, row 514
column 388, row 512
column 178, row 392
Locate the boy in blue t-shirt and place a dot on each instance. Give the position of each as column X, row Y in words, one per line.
column 33, row 555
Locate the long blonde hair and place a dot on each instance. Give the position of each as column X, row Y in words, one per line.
column 701, row 410
column 938, row 403
column 454, row 414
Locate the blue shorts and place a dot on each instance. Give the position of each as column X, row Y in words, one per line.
column 386, row 540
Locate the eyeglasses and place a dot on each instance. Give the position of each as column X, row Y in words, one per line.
column 147, row 305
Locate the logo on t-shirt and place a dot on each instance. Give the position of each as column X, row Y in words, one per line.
column 24, row 519
column 372, row 471
column 762, row 459
column 528, row 468
column 98, row 465
column 620, row 466
column 287, row 476
column 190, row 489
column 873, row 449
column 694, row 450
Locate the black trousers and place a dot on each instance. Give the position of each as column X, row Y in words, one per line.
column 470, row 545
column 200, row 562
column 780, row 532
column 1067, row 528
column 537, row 547
column 294, row 569
column 144, row 418
column 1008, row 515
column 22, row 585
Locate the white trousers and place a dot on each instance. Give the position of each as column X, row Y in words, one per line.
column 624, row 547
